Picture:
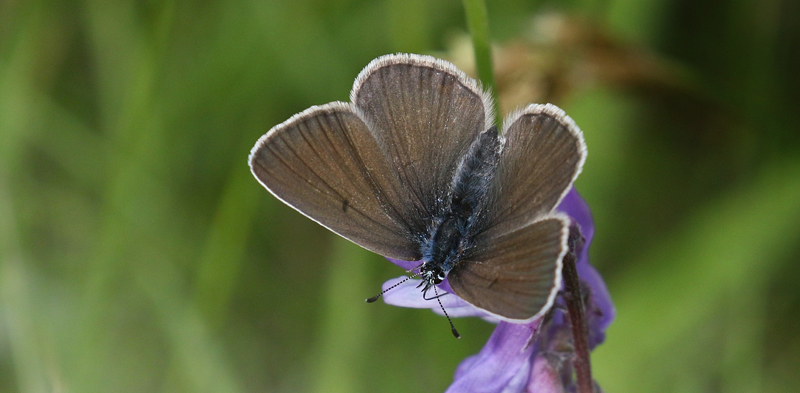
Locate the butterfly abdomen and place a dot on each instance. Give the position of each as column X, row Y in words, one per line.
column 472, row 179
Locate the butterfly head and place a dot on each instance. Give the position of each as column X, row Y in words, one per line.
column 431, row 274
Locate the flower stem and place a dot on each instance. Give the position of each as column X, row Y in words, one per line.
column 577, row 315
column 478, row 23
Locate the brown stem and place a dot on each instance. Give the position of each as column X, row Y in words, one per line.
column 577, row 315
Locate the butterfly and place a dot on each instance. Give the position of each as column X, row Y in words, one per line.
column 414, row 169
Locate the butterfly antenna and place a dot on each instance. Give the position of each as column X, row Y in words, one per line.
column 452, row 327
column 378, row 296
column 425, row 295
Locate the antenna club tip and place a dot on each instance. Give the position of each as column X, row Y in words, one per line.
column 455, row 333
column 373, row 299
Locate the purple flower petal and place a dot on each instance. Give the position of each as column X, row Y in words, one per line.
column 406, row 265
column 601, row 312
column 574, row 206
column 499, row 362
column 408, row 294
column 544, row 378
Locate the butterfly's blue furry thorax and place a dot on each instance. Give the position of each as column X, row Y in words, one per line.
column 452, row 231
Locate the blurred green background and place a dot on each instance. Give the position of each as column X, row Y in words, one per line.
column 138, row 254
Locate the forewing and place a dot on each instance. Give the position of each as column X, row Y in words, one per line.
column 424, row 113
column 324, row 163
column 515, row 276
column 543, row 154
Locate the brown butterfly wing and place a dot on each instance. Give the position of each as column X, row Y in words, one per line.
column 424, row 114
column 325, row 163
column 515, row 276
column 543, row 154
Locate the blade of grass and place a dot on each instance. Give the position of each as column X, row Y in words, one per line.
column 478, row 23
column 219, row 268
column 132, row 198
column 23, row 334
column 343, row 332
column 20, row 333
column 198, row 361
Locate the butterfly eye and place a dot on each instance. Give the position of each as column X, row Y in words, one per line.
column 439, row 277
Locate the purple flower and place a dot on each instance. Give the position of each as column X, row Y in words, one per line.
column 532, row 357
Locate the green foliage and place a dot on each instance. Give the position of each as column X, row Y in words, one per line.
column 137, row 253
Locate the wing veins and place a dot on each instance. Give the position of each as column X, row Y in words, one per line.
column 329, row 189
